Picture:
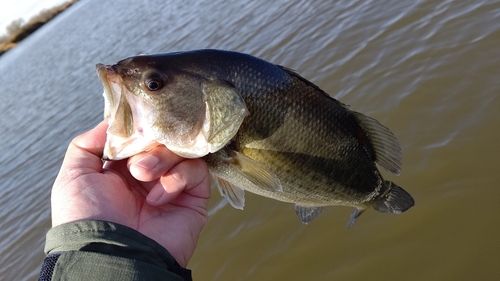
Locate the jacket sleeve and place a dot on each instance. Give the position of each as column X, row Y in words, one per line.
column 99, row 250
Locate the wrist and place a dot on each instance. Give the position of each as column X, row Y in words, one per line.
column 94, row 239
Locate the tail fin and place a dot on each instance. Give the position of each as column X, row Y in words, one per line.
column 395, row 200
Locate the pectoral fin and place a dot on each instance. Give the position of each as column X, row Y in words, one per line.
column 225, row 110
column 255, row 172
column 234, row 172
column 307, row 214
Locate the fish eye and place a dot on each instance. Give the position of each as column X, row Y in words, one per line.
column 154, row 83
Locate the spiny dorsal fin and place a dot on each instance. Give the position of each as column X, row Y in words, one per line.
column 386, row 146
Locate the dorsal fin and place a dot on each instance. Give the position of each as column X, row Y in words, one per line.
column 386, row 146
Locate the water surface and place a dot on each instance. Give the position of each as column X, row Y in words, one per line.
column 428, row 70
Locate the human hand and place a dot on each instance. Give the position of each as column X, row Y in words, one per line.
column 157, row 193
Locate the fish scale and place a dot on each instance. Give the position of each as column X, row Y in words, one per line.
column 260, row 127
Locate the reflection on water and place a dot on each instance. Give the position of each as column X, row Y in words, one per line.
column 426, row 69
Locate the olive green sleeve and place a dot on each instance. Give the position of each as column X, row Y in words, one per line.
column 99, row 250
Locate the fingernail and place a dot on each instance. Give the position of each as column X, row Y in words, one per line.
column 155, row 194
column 148, row 162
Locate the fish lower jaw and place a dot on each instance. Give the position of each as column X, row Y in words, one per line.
column 190, row 151
column 117, row 148
column 198, row 146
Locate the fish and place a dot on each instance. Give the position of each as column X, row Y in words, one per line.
column 259, row 126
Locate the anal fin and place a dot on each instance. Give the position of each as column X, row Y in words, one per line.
column 354, row 216
column 307, row 214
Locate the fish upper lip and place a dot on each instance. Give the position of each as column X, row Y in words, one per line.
column 107, row 73
column 111, row 81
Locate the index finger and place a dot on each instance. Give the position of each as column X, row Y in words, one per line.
column 85, row 150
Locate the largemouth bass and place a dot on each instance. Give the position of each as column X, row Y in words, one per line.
column 260, row 127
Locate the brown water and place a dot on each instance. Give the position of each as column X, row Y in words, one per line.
column 428, row 70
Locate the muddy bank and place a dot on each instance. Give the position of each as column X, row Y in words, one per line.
column 18, row 30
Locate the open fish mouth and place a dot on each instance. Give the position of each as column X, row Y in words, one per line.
column 189, row 114
column 104, row 72
column 125, row 132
